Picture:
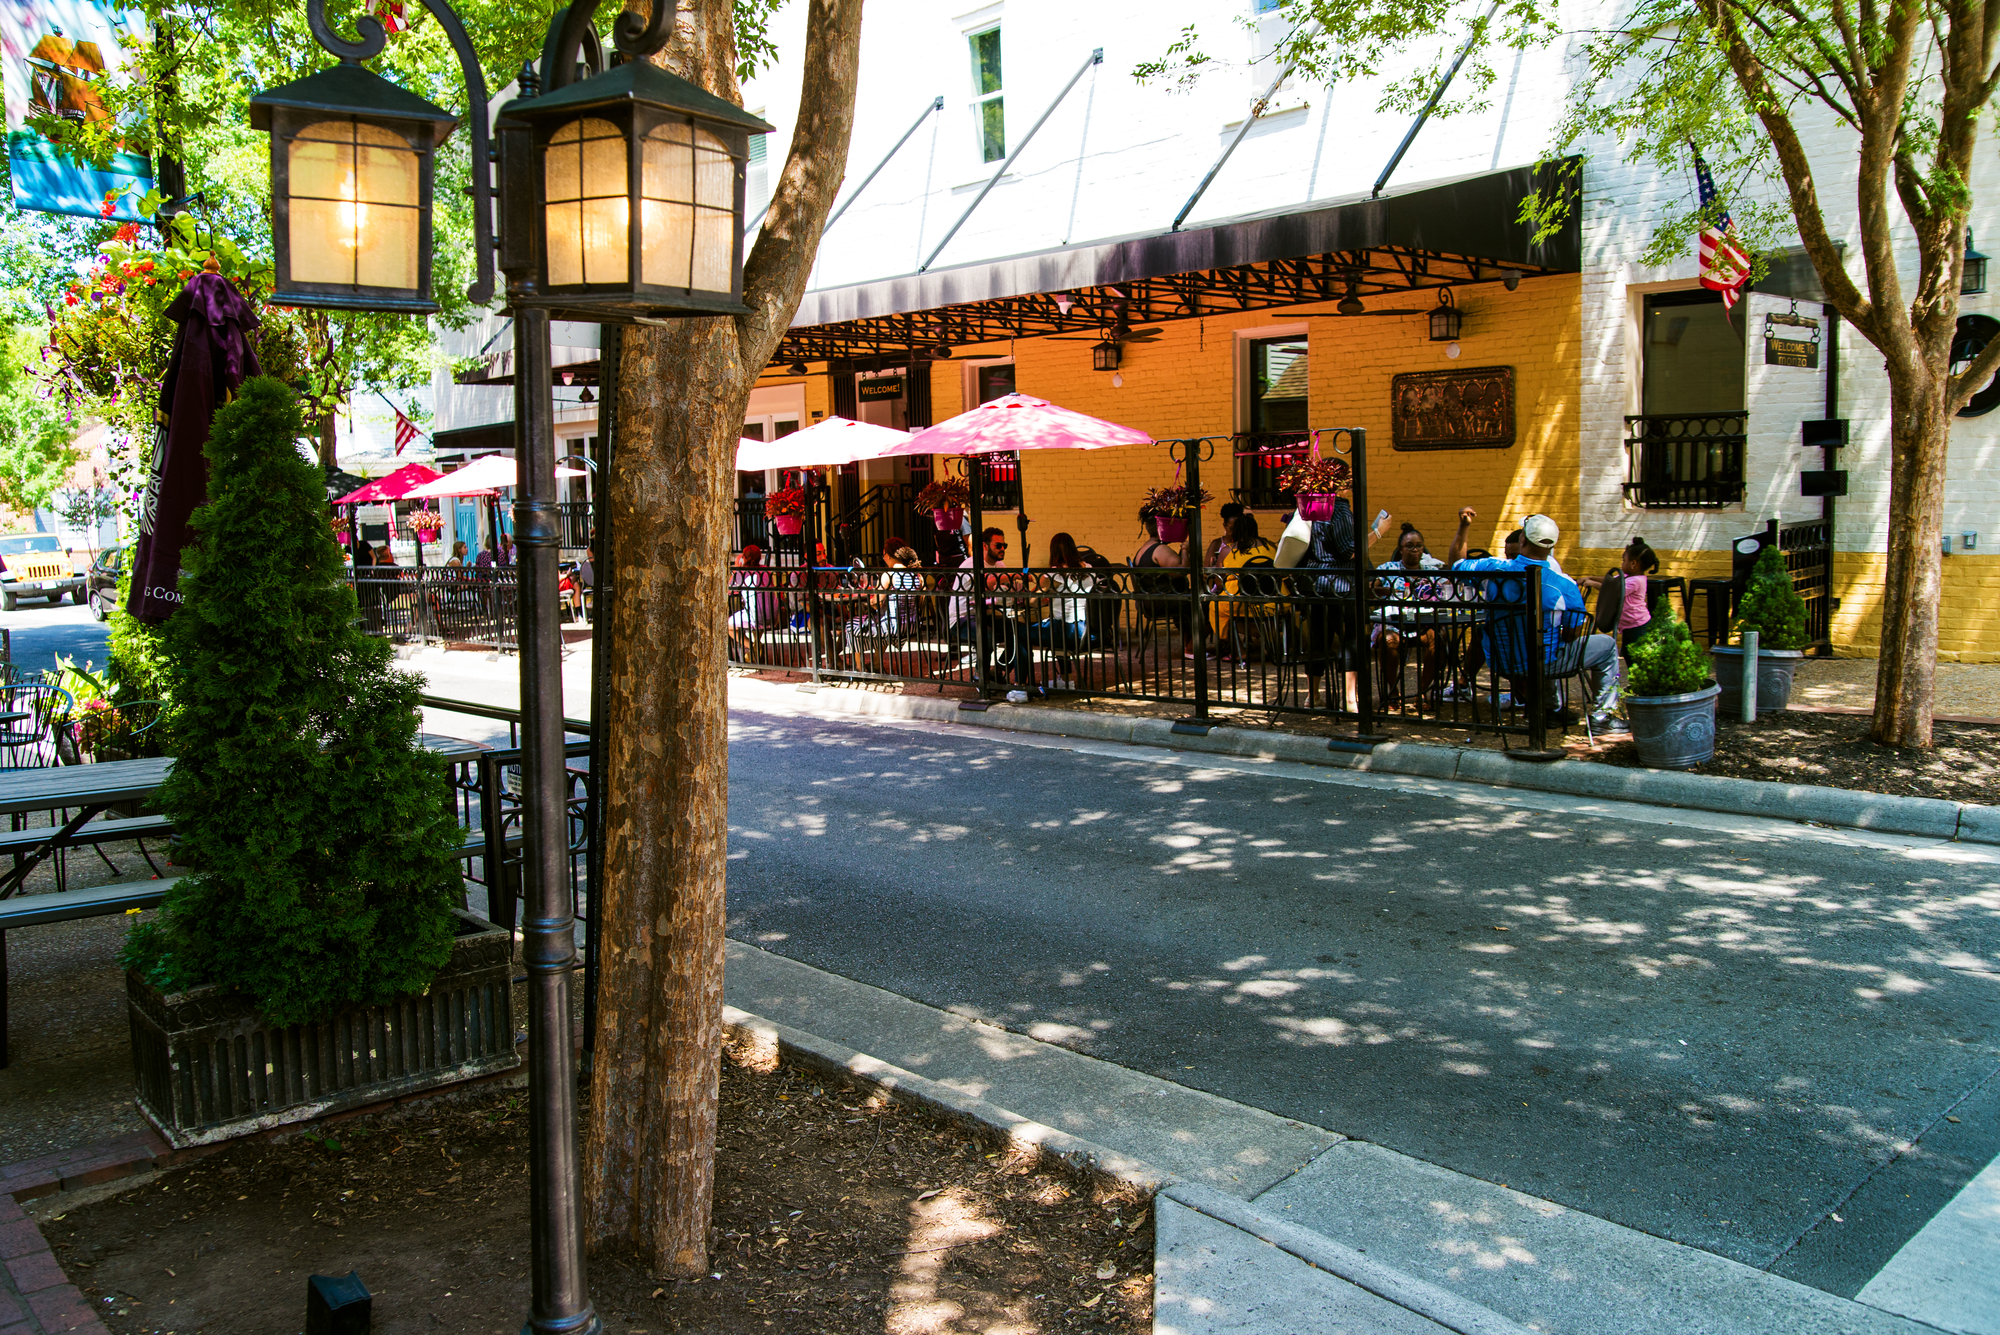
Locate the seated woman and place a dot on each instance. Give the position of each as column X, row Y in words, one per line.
column 762, row 609
column 1401, row 620
column 893, row 613
column 1154, row 554
column 1234, row 622
column 1067, row 629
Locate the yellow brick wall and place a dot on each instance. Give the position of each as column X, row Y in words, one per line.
column 1184, row 384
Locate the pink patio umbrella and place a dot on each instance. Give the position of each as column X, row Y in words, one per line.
column 486, row 476
column 834, row 440
column 1018, row 422
column 391, row 488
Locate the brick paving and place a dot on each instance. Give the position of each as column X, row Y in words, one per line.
column 36, row 1298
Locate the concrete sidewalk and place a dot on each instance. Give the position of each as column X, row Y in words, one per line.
column 1270, row 1225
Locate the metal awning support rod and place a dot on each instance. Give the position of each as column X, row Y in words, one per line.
column 1096, row 58
column 937, row 104
column 1431, row 105
column 1256, row 110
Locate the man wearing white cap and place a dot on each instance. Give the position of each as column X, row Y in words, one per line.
column 1559, row 594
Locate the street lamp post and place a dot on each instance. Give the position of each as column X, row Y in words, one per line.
column 622, row 199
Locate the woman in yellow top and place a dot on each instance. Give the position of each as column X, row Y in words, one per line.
column 1246, row 544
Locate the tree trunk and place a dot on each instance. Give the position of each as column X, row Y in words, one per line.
column 1906, row 672
column 653, row 1084
column 329, row 441
column 650, row 1146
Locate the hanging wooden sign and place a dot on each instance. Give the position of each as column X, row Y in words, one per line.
column 879, row 387
column 1785, row 348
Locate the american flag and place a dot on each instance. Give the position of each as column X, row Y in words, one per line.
column 406, row 431
column 392, row 16
column 1724, row 266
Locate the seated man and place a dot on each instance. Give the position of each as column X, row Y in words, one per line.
column 1006, row 634
column 1559, row 594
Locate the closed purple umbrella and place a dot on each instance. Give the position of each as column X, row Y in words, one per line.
column 212, row 356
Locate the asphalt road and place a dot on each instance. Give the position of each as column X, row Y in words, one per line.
column 38, row 632
column 1748, row 1041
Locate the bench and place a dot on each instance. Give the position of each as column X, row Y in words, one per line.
column 95, row 901
column 92, row 834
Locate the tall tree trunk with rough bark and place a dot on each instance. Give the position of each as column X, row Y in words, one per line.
column 1912, row 578
column 650, row 1146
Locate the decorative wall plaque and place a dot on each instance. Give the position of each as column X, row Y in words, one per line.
column 1471, row 409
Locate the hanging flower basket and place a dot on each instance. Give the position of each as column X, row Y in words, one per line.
column 786, row 509
column 426, row 524
column 948, row 519
column 1171, row 528
column 1316, row 506
column 1315, row 482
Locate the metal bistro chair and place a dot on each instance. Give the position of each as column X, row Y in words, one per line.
column 31, row 716
column 1507, row 641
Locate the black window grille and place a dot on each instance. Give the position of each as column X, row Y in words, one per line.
column 1685, row 462
column 1277, row 394
column 1000, row 481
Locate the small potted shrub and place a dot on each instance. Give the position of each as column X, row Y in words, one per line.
column 1772, row 607
column 786, row 509
column 1316, row 484
column 1170, row 508
column 314, row 957
column 946, row 499
column 1669, row 697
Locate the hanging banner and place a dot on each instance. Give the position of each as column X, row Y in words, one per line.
column 56, row 56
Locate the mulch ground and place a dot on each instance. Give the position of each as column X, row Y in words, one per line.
column 836, row 1212
column 1795, row 746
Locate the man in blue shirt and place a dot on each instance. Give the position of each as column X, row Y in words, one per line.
column 1559, row 594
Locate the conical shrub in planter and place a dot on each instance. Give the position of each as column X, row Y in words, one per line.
column 1669, row 700
column 1772, row 607
column 299, row 959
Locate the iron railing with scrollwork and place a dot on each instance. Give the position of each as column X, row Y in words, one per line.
column 1685, row 461
column 1261, row 456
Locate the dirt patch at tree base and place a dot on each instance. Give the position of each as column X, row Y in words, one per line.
column 1833, row 750
column 836, row 1211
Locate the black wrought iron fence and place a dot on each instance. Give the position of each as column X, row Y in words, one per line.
column 1440, row 648
column 446, row 604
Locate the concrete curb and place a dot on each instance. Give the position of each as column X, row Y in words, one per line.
column 1420, row 1296
column 1881, row 813
column 768, row 1038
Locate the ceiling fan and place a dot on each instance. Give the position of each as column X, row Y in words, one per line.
column 1121, row 331
column 1350, row 305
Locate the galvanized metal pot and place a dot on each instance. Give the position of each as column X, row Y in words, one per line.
column 1774, row 677
column 1674, row 731
column 208, row 1068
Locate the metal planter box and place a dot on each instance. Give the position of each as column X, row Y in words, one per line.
column 208, row 1069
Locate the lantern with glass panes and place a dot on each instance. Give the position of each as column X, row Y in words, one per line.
column 351, row 162
column 638, row 181
column 1446, row 319
column 1972, row 278
column 1104, row 356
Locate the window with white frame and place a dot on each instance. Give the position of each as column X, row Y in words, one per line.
column 757, row 182
column 989, row 108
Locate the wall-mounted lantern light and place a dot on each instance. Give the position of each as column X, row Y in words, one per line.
column 1446, row 318
column 1972, row 279
column 1104, row 356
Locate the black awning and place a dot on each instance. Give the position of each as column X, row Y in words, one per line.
column 1434, row 234
column 484, row 439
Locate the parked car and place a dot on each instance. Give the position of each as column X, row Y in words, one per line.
column 37, row 565
column 103, row 576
